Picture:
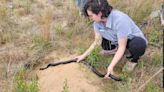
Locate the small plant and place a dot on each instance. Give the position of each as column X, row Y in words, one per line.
column 58, row 29
column 65, row 87
column 39, row 44
column 81, row 50
column 22, row 85
column 33, row 85
column 97, row 60
column 94, row 57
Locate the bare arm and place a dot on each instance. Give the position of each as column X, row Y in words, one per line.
column 93, row 45
column 97, row 41
column 121, row 49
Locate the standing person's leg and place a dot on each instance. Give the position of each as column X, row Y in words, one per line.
column 136, row 47
column 78, row 2
column 79, row 5
column 107, row 47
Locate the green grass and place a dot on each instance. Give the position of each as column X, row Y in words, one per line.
column 65, row 86
column 81, row 50
column 21, row 84
column 137, row 10
column 100, row 62
column 39, row 44
column 152, row 87
column 94, row 57
column 58, row 29
column 157, row 59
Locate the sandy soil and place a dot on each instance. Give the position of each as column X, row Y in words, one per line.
column 79, row 79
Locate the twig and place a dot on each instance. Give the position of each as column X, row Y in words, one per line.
column 139, row 89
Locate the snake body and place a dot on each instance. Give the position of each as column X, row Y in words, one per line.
column 94, row 70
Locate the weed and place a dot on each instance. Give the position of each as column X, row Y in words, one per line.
column 65, row 87
column 97, row 60
column 22, row 85
column 58, row 29
column 81, row 50
column 39, row 44
column 94, row 57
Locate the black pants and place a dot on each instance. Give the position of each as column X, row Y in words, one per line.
column 136, row 47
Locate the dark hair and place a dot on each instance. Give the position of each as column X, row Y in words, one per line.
column 97, row 6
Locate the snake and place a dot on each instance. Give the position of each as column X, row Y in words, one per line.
column 93, row 69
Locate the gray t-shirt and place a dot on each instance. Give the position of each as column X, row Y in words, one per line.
column 118, row 25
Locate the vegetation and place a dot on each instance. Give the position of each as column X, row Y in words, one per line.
column 22, row 85
column 65, row 87
column 29, row 29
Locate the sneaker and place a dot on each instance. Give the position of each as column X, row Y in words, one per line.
column 108, row 52
column 129, row 66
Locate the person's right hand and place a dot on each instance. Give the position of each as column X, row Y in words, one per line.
column 80, row 58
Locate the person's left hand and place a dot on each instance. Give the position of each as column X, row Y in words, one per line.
column 109, row 71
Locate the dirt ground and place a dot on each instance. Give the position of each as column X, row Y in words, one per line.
column 79, row 79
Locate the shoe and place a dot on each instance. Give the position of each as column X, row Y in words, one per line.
column 129, row 66
column 108, row 52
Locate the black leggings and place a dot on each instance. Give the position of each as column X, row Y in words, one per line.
column 136, row 47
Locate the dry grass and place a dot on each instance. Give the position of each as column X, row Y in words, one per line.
column 45, row 21
column 29, row 29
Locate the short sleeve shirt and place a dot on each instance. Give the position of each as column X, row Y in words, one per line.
column 118, row 25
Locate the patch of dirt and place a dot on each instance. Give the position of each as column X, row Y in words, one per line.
column 52, row 79
column 79, row 79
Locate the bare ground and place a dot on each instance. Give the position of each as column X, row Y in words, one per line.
column 79, row 79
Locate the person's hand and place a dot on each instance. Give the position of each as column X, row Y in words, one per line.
column 80, row 58
column 109, row 71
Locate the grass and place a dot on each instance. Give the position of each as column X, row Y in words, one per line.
column 97, row 60
column 65, row 87
column 71, row 32
column 22, row 85
column 152, row 87
column 45, row 20
column 58, row 29
column 40, row 44
column 157, row 59
column 136, row 8
column 7, row 26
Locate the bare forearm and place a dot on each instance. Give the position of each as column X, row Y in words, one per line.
column 89, row 50
column 117, row 57
column 97, row 41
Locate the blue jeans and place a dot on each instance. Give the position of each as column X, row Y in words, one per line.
column 78, row 3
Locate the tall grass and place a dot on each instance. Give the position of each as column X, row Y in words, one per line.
column 7, row 26
column 137, row 9
column 45, row 21
column 76, row 32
